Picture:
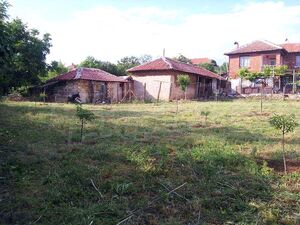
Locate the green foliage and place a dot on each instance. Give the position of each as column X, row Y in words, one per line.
column 182, row 58
column 205, row 113
column 140, row 153
column 55, row 68
column 267, row 72
column 243, row 73
column 84, row 114
column 223, row 68
column 280, row 70
column 285, row 123
column 22, row 53
column 209, row 66
column 183, row 81
column 118, row 69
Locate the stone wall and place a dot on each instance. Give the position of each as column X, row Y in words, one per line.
column 89, row 91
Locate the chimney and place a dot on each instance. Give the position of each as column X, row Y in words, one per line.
column 78, row 73
column 236, row 44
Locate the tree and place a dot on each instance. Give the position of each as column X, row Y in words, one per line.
column 84, row 115
column 183, row 81
column 205, row 114
column 223, row 68
column 286, row 124
column 145, row 58
column 22, row 53
column 182, row 58
column 55, row 68
column 209, row 66
column 91, row 62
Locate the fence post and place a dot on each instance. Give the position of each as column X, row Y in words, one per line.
column 294, row 82
column 158, row 94
column 144, row 94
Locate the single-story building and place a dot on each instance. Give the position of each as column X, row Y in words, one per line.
column 158, row 80
column 92, row 86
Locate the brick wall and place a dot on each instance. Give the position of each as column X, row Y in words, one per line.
column 290, row 60
column 256, row 62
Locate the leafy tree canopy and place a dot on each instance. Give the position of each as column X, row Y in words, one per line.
column 22, row 53
column 182, row 58
column 285, row 123
column 213, row 67
column 184, row 81
column 118, row 69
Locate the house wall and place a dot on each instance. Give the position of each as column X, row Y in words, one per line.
column 89, row 91
column 177, row 93
column 152, row 85
column 290, row 60
column 256, row 62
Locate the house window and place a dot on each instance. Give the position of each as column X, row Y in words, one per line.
column 298, row 60
column 272, row 62
column 245, row 62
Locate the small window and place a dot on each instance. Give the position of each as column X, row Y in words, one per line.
column 245, row 62
column 272, row 62
column 298, row 60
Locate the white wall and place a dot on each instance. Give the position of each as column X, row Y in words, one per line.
column 152, row 86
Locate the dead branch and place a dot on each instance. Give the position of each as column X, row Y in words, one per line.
column 149, row 203
column 96, row 188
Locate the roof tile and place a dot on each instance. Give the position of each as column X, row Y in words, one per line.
column 170, row 64
column 88, row 74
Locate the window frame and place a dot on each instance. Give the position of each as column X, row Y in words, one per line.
column 242, row 61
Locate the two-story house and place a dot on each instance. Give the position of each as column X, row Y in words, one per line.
column 256, row 55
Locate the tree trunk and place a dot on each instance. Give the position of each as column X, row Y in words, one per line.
column 283, row 154
column 185, row 95
column 81, row 131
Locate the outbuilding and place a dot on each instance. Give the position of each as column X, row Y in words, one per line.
column 158, row 80
column 91, row 85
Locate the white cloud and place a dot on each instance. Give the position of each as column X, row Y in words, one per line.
column 109, row 33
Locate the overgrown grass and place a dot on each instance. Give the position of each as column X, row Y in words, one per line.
column 134, row 155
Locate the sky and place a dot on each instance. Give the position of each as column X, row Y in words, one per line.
column 112, row 29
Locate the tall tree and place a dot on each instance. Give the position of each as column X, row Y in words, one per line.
column 22, row 53
column 182, row 58
column 91, row 62
column 55, row 68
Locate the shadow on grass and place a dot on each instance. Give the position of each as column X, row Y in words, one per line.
column 121, row 168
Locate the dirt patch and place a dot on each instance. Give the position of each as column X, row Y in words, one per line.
column 199, row 125
column 254, row 113
column 276, row 164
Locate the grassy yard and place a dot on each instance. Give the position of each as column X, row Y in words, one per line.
column 133, row 156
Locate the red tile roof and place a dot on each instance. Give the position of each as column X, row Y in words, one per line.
column 291, row 47
column 88, row 74
column 170, row 64
column 256, row 46
column 198, row 61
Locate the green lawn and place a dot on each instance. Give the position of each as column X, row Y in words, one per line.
column 134, row 155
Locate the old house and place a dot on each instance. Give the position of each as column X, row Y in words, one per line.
column 256, row 56
column 158, row 80
column 92, row 85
